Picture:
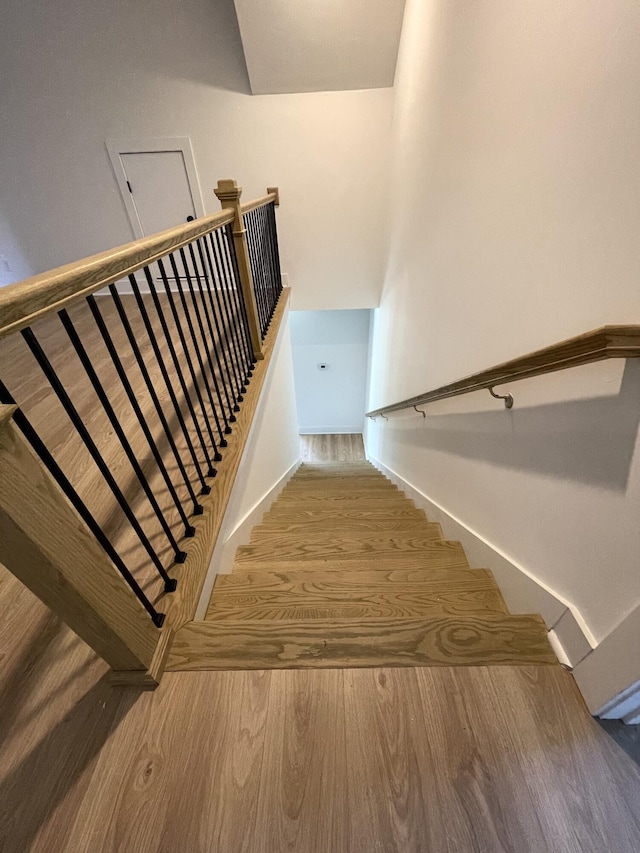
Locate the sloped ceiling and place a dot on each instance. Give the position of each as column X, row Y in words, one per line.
column 319, row 45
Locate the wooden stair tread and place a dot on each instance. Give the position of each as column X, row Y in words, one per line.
column 377, row 499
column 329, row 532
column 437, row 553
column 323, row 546
column 280, row 513
column 264, row 611
column 373, row 580
column 441, row 641
column 354, row 468
column 345, row 571
column 358, row 603
column 332, row 484
column 345, row 526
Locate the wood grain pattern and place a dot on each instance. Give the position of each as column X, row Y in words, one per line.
column 271, row 196
column 390, row 604
column 347, row 526
column 284, row 515
column 597, row 345
column 373, row 580
column 352, row 597
column 343, row 449
column 46, row 545
column 433, row 555
column 306, row 547
column 318, row 761
column 338, row 497
column 443, row 641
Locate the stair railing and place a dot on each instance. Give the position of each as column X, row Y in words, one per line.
column 124, row 391
column 597, row 345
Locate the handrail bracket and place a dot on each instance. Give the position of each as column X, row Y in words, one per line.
column 508, row 398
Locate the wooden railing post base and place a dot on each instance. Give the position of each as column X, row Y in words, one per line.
column 45, row 544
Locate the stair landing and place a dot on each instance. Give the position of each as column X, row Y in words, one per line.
column 344, row 571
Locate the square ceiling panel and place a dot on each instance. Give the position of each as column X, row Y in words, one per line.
column 319, row 45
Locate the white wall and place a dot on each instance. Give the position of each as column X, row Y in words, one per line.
column 271, row 455
column 515, row 223
column 76, row 73
column 330, row 400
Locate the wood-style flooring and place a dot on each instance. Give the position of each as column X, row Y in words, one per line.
column 348, row 447
column 449, row 760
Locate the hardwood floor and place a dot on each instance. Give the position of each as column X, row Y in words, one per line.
column 332, row 448
column 452, row 760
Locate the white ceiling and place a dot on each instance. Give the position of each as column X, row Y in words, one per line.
column 319, row 45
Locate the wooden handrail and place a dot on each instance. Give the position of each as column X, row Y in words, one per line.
column 24, row 302
column 272, row 196
column 597, row 345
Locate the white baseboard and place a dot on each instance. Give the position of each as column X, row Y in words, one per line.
column 522, row 592
column 331, row 430
column 226, row 546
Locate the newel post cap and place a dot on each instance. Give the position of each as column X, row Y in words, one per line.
column 228, row 190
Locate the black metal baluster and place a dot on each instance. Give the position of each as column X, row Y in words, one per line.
column 180, row 556
column 197, row 508
column 47, row 459
column 239, row 298
column 187, row 313
column 265, row 265
column 257, row 278
column 178, row 371
column 233, row 326
column 76, row 420
column 231, row 320
column 224, row 317
column 218, row 344
column 276, row 250
column 187, row 357
column 273, row 238
column 263, row 272
column 209, row 344
column 273, row 283
column 117, row 363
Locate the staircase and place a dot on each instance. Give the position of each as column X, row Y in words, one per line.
column 344, row 571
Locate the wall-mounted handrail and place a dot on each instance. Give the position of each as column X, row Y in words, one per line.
column 597, row 345
column 24, row 302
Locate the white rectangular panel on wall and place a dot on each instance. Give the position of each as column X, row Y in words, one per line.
column 330, row 352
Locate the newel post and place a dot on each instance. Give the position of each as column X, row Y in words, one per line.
column 229, row 194
column 46, row 545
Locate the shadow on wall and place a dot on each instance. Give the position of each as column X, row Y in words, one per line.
column 217, row 56
column 590, row 441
